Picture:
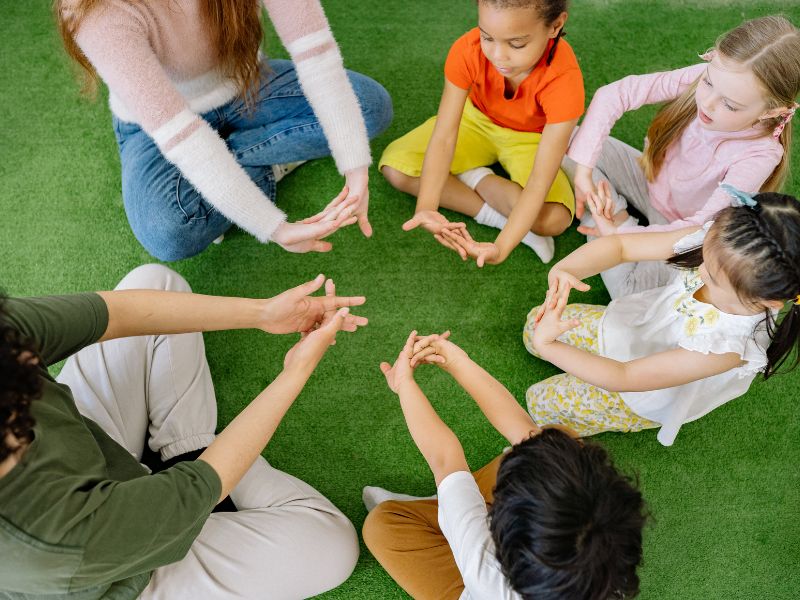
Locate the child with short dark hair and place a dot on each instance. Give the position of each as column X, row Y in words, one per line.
column 552, row 518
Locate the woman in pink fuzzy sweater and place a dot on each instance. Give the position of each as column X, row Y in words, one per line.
column 206, row 125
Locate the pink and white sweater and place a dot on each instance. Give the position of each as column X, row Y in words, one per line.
column 686, row 189
column 162, row 72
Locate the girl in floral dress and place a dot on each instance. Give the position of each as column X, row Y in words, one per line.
column 667, row 356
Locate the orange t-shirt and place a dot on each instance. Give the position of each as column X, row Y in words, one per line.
column 550, row 94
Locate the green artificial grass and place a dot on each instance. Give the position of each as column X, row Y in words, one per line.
column 724, row 498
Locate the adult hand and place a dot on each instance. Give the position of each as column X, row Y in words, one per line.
column 401, row 371
column 482, row 252
column 295, row 310
column 306, row 354
column 550, row 326
column 307, row 235
column 601, row 205
column 356, row 181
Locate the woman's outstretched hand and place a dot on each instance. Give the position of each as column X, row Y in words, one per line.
column 308, row 235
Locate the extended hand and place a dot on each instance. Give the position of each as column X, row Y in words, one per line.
column 402, row 370
column 482, row 252
column 559, row 285
column 307, row 235
column 295, row 310
column 436, row 349
column 601, row 205
column 550, row 326
column 306, row 354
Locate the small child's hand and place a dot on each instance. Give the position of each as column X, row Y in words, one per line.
column 584, row 186
column 551, row 326
column 559, row 284
column 482, row 252
column 601, row 205
column 402, row 370
column 436, row 349
column 436, row 223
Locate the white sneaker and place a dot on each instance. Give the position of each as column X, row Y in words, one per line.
column 373, row 495
column 282, row 170
column 218, row 240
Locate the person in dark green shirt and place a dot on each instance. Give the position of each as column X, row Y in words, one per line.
column 82, row 518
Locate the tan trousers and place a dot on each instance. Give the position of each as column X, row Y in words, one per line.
column 406, row 539
column 286, row 540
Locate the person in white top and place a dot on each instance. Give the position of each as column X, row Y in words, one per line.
column 550, row 518
column 667, row 356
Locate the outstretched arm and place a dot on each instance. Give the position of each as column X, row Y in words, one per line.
column 657, row 371
column 437, row 443
column 495, row 401
column 149, row 312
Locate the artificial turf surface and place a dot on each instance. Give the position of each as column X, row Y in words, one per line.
column 724, row 498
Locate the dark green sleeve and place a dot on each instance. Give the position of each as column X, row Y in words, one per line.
column 147, row 522
column 59, row 325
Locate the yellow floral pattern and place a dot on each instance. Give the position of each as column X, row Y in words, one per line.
column 698, row 314
column 565, row 399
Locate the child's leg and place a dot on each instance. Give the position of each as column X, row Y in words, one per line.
column 588, row 409
column 407, row 541
column 401, row 162
column 584, row 336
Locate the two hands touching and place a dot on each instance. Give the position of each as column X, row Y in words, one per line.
column 454, row 236
column 434, row 349
column 349, row 207
column 599, row 201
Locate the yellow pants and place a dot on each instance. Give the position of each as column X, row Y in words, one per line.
column 480, row 143
column 567, row 400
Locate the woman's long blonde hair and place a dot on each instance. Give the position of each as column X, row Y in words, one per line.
column 233, row 25
column 770, row 48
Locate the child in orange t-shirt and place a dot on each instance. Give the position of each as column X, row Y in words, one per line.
column 513, row 93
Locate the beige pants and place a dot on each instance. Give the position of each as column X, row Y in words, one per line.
column 285, row 541
column 406, row 539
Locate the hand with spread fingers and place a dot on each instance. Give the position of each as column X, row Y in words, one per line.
column 550, row 326
column 308, row 235
column 296, row 310
column 559, row 285
column 357, row 185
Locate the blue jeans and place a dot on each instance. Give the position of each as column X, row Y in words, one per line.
column 170, row 218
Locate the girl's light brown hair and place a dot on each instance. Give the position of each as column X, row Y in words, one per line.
column 770, row 48
column 234, row 27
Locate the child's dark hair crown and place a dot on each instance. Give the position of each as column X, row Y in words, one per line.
column 565, row 523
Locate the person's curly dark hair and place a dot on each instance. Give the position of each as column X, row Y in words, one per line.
column 20, row 384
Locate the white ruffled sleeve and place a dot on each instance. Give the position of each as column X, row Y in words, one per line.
column 718, row 341
column 693, row 240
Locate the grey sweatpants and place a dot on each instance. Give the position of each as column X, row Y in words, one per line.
column 285, row 541
column 618, row 164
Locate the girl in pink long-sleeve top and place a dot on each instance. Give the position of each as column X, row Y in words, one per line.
column 206, row 125
column 727, row 120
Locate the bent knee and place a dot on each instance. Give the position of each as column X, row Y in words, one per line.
column 397, row 179
column 154, row 277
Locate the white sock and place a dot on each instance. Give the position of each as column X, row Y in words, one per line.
column 282, row 170
column 473, row 177
column 544, row 246
column 373, row 495
column 219, row 239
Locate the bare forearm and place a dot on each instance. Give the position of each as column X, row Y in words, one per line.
column 495, row 401
column 597, row 370
column 593, row 258
column 148, row 312
column 435, row 171
column 235, row 449
column 437, row 443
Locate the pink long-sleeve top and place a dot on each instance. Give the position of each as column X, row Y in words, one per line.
column 162, row 72
column 686, row 189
